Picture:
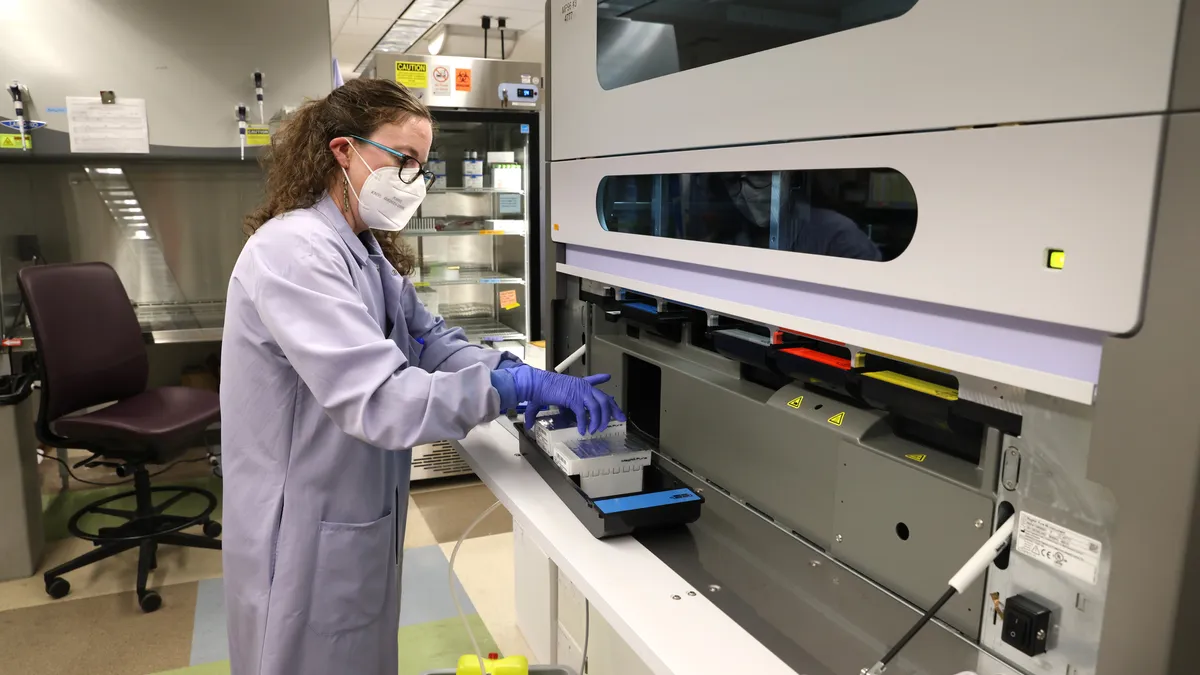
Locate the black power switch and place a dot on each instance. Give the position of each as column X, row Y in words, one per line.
column 1026, row 625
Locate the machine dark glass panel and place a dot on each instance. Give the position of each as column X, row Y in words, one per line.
column 867, row 214
column 638, row 40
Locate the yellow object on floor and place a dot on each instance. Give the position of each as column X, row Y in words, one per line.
column 468, row 664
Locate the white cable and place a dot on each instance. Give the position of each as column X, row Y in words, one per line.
column 587, row 631
column 454, row 595
column 983, row 557
column 570, row 360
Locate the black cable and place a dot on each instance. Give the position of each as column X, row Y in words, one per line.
column 937, row 607
column 120, row 482
column 486, row 22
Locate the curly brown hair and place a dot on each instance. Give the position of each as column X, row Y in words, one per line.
column 300, row 167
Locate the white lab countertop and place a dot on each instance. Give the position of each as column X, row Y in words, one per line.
column 631, row 588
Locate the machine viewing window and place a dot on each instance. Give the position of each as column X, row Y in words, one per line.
column 638, row 40
column 868, row 214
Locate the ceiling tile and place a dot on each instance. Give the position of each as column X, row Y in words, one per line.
column 350, row 49
column 538, row 6
column 381, row 9
column 469, row 14
column 340, row 8
column 363, row 26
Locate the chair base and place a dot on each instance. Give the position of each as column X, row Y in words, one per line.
column 145, row 527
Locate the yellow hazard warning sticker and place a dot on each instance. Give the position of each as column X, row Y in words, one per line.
column 412, row 75
column 916, row 458
column 795, row 403
column 13, row 141
column 258, row 134
column 837, row 419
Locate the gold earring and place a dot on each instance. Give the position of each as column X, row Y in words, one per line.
column 345, row 195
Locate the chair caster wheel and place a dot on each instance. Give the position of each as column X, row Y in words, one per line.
column 149, row 601
column 58, row 587
column 212, row 529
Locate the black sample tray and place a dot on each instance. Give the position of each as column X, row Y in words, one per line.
column 664, row 502
column 745, row 347
column 667, row 324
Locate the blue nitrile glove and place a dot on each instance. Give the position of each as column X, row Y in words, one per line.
column 593, row 408
column 502, row 382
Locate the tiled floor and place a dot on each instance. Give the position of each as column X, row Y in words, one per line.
column 98, row 628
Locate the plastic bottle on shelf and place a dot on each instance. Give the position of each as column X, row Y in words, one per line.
column 472, row 171
column 437, row 166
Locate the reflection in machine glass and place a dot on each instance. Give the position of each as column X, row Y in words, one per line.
column 638, row 40
column 866, row 214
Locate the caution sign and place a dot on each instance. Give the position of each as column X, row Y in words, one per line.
column 462, row 79
column 13, row 141
column 258, row 134
column 441, row 81
column 837, row 419
column 916, row 458
column 412, row 75
column 795, row 403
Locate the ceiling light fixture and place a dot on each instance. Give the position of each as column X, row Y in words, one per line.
column 435, row 45
column 417, row 20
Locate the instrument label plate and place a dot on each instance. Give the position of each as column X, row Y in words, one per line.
column 1056, row 546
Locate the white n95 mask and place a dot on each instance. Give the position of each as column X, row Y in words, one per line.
column 387, row 202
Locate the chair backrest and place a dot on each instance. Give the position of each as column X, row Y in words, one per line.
column 88, row 338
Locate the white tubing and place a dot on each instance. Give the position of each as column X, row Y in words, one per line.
column 983, row 557
column 454, row 593
column 570, row 360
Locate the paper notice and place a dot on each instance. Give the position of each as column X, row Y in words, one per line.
column 111, row 128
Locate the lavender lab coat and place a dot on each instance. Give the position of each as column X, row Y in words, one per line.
column 324, row 389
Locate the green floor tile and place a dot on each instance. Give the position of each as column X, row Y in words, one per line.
column 438, row 644
column 59, row 509
column 218, row 668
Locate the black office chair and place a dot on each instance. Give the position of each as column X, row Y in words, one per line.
column 91, row 352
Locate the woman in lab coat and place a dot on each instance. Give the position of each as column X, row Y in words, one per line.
column 332, row 369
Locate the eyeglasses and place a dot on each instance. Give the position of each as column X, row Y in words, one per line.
column 409, row 167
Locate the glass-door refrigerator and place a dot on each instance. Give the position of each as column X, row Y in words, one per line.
column 475, row 236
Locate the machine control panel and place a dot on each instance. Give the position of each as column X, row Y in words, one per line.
column 521, row 95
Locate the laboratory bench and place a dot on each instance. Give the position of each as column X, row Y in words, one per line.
column 645, row 618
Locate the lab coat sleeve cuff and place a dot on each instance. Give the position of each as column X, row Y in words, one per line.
column 502, row 381
column 508, row 361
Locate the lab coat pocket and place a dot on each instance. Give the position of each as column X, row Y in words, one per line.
column 351, row 579
column 413, row 354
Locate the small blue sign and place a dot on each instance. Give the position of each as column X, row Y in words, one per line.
column 30, row 125
column 524, row 128
column 59, row 111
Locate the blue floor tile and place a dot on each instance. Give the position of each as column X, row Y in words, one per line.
column 209, row 641
column 424, row 589
column 425, row 598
